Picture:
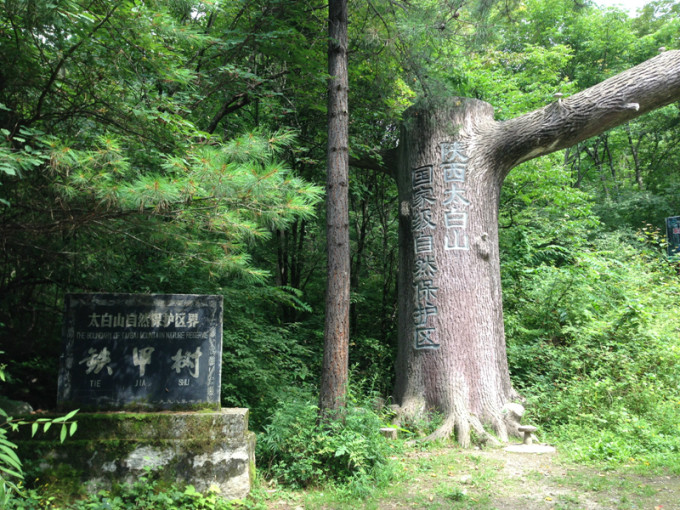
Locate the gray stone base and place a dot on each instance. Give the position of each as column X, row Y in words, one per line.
column 530, row 448
column 209, row 450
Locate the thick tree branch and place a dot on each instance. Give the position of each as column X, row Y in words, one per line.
column 650, row 85
column 235, row 103
column 386, row 163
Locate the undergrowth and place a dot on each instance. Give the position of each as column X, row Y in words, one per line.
column 347, row 450
column 594, row 347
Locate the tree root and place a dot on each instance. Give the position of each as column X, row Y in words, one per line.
column 465, row 425
column 464, row 428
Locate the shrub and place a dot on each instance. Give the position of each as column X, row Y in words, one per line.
column 296, row 450
column 595, row 346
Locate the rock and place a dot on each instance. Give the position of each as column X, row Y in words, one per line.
column 512, row 415
column 528, row 431
column 389, row 432
column 530, row 448
column 14, row 407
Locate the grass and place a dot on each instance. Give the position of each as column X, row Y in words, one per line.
column 443, row 476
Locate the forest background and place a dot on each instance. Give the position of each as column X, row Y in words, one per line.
column 179, row 147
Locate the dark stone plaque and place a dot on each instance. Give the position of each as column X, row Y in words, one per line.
column 673, row 235
column 141, row 351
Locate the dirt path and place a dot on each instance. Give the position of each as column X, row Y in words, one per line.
column 449, row 478
column 497, row 479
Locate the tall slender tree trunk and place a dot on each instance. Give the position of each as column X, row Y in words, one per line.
column 336, row 331
column 634, row 147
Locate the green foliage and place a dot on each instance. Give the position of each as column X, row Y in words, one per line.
column 298, row 451
column 11, row 469
column 594, row 347
column 523, row 81
column 223, row 196
column 262, row 361
column 145, row 494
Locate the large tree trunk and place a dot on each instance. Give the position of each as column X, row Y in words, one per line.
column 336, row 330
column 452, row 160
column 451, row 349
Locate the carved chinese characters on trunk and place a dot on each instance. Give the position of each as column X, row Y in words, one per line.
column 425, row 270
column 141, row 351
column 453, row 167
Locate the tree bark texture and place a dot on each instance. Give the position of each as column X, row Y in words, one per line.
column 451, row 163
column 336, row 330
column 452, row 351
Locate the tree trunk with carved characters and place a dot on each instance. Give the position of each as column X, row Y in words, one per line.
column 451, row 163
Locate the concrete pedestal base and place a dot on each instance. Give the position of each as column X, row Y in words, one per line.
column 530, row 448
column 209, row 450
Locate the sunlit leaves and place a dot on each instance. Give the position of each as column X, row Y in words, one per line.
column 237, row 190
column 151, row 191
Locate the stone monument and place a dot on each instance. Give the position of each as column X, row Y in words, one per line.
column 141, row 352
column 147, row 368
